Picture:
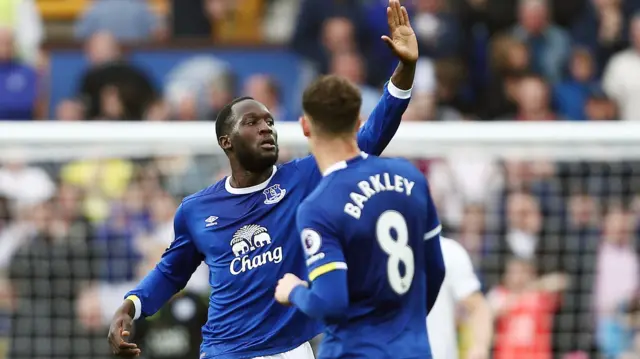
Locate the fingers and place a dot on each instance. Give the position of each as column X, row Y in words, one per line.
column 390, row 18
column 396, row 12
column 127, row 353
column 405, row 16
column 124, row 348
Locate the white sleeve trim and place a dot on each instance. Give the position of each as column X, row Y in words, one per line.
column 398, row 93
column 432, row 233
column 136, row 304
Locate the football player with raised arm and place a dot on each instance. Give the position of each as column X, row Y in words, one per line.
column 243, row 227
column 371, row 236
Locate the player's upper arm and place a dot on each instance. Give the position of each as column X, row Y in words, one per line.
column 182, row 258
column 460, row 274
column 433, row 221
column 320, row 242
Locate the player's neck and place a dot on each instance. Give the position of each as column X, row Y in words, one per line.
column 331, row 151
column 241, row 178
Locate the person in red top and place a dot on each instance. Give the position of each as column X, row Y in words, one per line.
column 524, row 307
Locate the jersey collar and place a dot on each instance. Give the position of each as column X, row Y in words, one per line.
column 343, row 164
column 247, row 190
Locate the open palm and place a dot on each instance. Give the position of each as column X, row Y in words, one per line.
column 403, row 40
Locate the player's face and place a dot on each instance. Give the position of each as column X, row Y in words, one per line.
column 254, row 137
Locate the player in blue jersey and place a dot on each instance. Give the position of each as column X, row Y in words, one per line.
column 371, row 236
column 243, row 228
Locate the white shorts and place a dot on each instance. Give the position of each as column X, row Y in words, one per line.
column 302, row 352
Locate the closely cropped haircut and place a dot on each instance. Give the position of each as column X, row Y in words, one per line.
column 333, row 103
column 224, row 120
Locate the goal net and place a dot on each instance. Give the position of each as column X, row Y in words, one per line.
column 548, row 213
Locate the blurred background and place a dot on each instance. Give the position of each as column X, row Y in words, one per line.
column 77, row 232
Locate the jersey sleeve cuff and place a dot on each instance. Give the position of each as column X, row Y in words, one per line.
column 326, row 268
column 137, row 305
column 433, row 233
column 398, row 93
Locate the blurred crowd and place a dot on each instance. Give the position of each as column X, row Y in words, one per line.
column 554, row 243
column 481, row 59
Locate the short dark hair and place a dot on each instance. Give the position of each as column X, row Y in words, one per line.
column 225, row 117
column 333, row 103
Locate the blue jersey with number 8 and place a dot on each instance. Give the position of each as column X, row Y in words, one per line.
column 371, row 217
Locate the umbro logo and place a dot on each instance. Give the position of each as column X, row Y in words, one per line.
column 211, row 221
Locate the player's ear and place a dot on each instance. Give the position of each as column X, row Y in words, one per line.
column 304, row 123
column 225, row 142
column 358, row 123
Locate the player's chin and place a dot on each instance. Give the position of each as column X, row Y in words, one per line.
column 265, row 159
column 269, row 154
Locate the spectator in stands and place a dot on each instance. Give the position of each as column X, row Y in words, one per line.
column 548, row 44
column 70, row 110
column 494, row 15
column 523, row 305
column 188, row 20
column 473, row 235
column 579, row 243
column 47, row 273
column 127, row 20
column 570, row 96
column 629, row 328
column 113, row 82
column 524, row 237
column 102, row 181
column 461, row 179
column 599, row 107
column 23, row 18
column 351, row 66
column 438, row 31
column 18, row 82
column 266, row 90
column 451, row 75
column 509, row 59
column 326, row 27
column 602, row 28
column 158, row 111
column 621, row 79
column 617, row 274
column 235, row 21
column 24, row 184
column 533, row 100
column 198, row 87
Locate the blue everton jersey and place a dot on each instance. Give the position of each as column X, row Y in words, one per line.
column 248, row 239
column 371, row 217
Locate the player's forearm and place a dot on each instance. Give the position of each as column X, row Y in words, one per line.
column 383, row 122
column 403, row 75
column 481, row 322
column 435, row 269
column 328, row 297
column 152, row 293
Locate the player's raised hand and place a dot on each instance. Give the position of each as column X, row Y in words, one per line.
column 119, row 332
column 403, row 40
column 285, row 287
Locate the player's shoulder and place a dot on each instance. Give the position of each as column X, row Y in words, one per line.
column 402, row 166
column 320, row 199
column 212, row 190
